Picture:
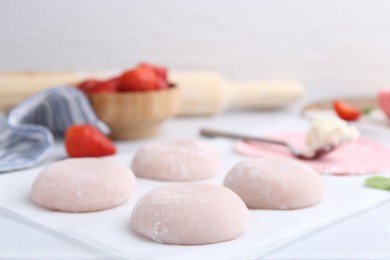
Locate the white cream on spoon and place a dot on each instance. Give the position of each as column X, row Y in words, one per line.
column 329, row 132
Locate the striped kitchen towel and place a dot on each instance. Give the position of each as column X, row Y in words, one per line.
column 27, row 132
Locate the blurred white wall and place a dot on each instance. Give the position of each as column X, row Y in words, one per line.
column 340, row 44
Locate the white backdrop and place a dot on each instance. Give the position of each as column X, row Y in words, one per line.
column 340, row 44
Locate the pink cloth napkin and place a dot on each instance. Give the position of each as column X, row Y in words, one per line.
column 362, row 156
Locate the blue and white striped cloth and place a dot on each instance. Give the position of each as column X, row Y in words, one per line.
column 27, row 133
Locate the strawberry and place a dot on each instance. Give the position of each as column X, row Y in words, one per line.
column 138, row 79
column 160, row 71
column 104, row 86
column 114, row 82
column 88, row 84
column 87, row 141
column 162, row 84
column 384, row 101
column 94, row 86
column 346, row 111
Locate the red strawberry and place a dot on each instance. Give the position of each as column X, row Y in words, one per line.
column 138, row 79
column 384, row 101
column 104, row 86
column 88, row 84
column 160, row 71
column 162, row 84
column 114, row 82
column 87, row 141
column 93, row 86
column 346, row 111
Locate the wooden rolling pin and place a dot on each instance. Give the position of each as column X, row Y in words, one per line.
column 202, row 92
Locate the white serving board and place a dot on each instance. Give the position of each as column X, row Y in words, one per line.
column 109, row 232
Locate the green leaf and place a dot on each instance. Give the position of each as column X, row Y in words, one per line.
column 367, row 110
column 378, row 182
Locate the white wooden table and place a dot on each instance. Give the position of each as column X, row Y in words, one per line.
column 366, row 235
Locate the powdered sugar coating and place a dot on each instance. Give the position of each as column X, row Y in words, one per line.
column 190, row 214
column 83, row 185
column 176, row 160
column 275, row 183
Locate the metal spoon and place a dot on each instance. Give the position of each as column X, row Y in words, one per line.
column 307, row 155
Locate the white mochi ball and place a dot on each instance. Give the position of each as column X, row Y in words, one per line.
column 83, row 185
column 275, row 183
column 190, row 214
column 176, row 160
